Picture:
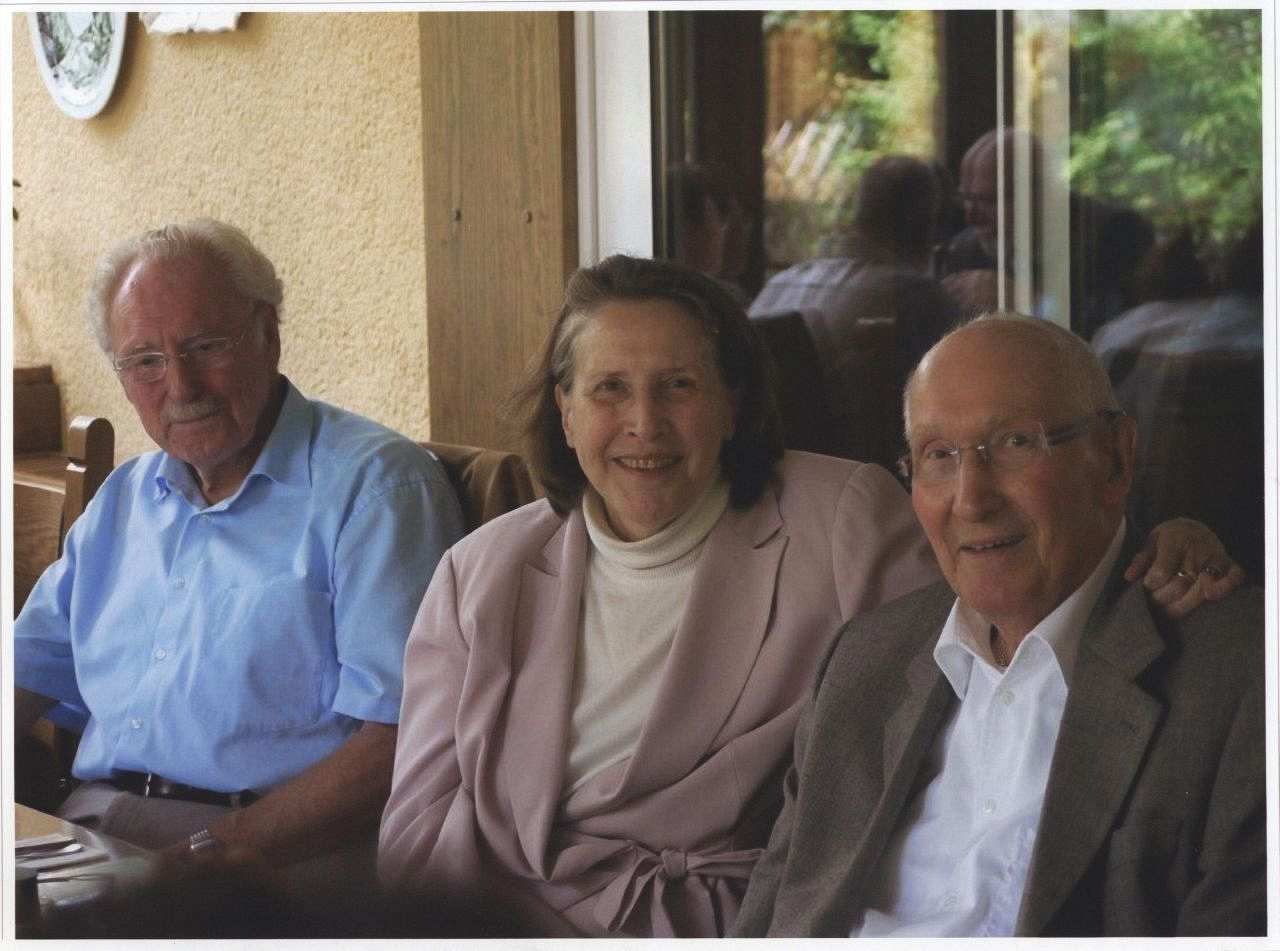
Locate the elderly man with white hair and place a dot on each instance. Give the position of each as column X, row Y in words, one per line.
column 1029, row 748
column 227, row 622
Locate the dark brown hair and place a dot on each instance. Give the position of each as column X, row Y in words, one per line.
column 747, row 458
column 900, row 204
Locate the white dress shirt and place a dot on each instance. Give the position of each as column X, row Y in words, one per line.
column 957, row 862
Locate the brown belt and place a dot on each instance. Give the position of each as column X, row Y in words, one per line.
column 151, row 786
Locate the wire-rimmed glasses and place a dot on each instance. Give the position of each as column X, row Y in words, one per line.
column 1011, row 447
column 200, row 353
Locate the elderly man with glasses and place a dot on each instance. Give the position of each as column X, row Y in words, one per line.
column 1029, row 748
column 227, row 622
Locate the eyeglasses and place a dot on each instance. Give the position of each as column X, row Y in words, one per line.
column 202, row 353
column 1008, row 449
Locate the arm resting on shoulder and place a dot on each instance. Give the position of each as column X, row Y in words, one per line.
column 1183, row 545
column 328, row 803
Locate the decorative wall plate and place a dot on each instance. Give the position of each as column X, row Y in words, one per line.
column 79, row 55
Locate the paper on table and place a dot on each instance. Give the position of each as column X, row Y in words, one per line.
column 61, row 861
column 39, row 843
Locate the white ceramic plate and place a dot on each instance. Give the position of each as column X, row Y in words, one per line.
column 79, row 55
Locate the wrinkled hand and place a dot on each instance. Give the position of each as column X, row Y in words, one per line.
column 1183, row 564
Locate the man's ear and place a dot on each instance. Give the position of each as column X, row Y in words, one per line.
column 270, row 329
column 1123, row 455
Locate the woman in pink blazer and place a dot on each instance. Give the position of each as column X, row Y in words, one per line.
column 601, row 687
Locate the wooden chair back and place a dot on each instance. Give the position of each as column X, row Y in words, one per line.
column 798, row 382
column 489, row 482
column 37, row 517
column 50, row 490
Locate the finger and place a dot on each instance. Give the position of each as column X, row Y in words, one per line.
column 1184, row 605
column 1176, row 557
column 1182, row 596
column 1173, row 590
column 1141, row 562
column 1182, row 544
column 1219, row 587
column 1163, row 569
column 1171, row 552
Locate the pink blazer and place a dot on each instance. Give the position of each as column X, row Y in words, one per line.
column 661, row 843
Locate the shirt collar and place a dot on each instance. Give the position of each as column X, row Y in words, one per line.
column 284, row 458
column 965, row 634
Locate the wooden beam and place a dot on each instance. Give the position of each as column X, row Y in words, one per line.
column 500, row 206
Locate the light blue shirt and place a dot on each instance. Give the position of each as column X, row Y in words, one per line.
column 231, row 646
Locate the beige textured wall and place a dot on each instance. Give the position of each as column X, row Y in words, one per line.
column 303, row 129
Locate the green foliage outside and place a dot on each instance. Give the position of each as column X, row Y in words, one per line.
column 880, row 81
column 1167, row 118
column 1171, row 109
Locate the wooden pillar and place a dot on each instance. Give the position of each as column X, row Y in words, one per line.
column 501, row 206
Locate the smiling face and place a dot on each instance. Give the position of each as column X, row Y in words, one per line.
column 1014, row 545
column 214, row 419
column 646, row 413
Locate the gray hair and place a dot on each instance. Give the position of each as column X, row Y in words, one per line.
column 565, row 351
column 1083, row 376
column 250, row 272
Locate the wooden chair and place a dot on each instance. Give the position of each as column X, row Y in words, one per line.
column 53, row 480
column 51, row 487
column 489, row 482
column 852, row 406
column 49, row 493
column 798, row 382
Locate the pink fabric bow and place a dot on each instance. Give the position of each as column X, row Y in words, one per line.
column 649, row 877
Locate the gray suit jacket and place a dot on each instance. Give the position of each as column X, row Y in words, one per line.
column 1154, row 819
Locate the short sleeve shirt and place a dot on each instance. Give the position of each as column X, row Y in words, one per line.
column 231, row 646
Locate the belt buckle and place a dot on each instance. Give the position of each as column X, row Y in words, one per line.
column 146, row 785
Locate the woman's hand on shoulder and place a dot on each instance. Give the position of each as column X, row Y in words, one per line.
column 1183, row 564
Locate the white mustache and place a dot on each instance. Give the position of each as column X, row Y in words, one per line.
column 186, row 412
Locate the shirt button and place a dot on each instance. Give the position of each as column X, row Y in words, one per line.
column 179, row 583
column 1006, row 697
column 136, row 723
column 160, row 653
column 988, row 806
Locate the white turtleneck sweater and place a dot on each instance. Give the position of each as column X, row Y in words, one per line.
column 633, row 600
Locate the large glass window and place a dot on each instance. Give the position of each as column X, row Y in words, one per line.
column 842, row 89
column 867, row 178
